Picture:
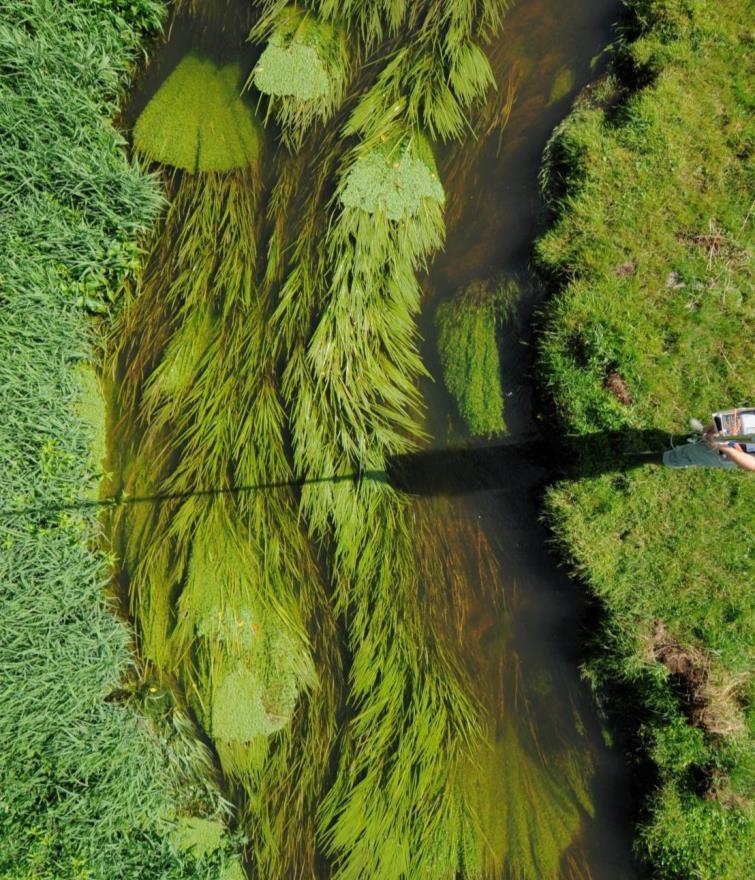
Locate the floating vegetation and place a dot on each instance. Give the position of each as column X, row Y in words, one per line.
column 303, row 68
column 198, row 120
column 563, row 84
column 469, row 348
column 394, row 181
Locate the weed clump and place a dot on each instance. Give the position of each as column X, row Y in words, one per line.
column 469, row 348
column 198, row 120
column 393, row 182
column 303, row 68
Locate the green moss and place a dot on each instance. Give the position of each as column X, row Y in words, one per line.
column 183, row 354
column 233, row 870
column 198, row 121
column 257, row 701
column 563, row 84
column 468, row 345
column 294, row 71
column 291, row 64
column 394, row 180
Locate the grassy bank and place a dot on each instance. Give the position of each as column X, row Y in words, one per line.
column 87, row 789
column 651, row 182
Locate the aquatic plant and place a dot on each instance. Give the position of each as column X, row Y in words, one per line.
column 433, row 80
column 303, row 68
column 336, row 375
column 468, row 344
column 531, row 809
column 198, row 120
column 223, row 582
column 345, row 321
column 393, row 180
column 563, row 84
column 433, row 21
column 332, row 324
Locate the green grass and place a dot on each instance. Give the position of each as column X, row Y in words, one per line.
column 89, row 789
column 652, row 254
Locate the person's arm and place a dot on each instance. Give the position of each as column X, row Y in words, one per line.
column 741, row 459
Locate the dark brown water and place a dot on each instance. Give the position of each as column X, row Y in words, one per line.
column 550, row 787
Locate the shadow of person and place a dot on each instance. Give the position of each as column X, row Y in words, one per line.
column 514, row 465
column 507, row 467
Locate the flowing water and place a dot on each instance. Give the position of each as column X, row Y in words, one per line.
column 546, row 718
column 553, row 796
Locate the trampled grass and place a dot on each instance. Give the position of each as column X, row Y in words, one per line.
column 652, row 248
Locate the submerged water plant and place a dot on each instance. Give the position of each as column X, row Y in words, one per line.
column 337, row 375
column 198, row 120
column 307, row 372
column 223, row 582
column 468, row 343
column 303, row 68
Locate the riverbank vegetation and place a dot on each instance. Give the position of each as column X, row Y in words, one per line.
column 89, row 787
column 650, row 179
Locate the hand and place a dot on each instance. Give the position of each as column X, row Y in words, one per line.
column 710, row 439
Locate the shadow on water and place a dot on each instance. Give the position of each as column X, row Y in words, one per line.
column 464, row 470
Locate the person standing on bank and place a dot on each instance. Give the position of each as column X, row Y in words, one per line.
column 729, row 443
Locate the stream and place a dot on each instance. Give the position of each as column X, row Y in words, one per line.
column 548, row 777
column 548, row 50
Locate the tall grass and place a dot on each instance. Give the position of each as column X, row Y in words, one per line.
column 88, row 787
